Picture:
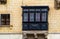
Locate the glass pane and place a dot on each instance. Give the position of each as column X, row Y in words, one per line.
column 25, row 10
column 44, row 17
column 31, row 10
column 31, row 17
column 8, row 17
column 25, row 17
column 38, row 17
column 43, row 9
column 3, row 23
column 7, row 23
column 4, row 19
column 37, row 9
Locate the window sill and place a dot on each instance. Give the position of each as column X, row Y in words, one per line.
column 6, row 26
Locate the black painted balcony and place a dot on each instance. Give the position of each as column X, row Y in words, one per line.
column 35, row 26
column 44, row 26
column 35, row 17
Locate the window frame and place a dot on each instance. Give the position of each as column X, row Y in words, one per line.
column 39, row 11
column 5, row 17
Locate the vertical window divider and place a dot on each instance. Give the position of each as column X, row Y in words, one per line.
column 40, row 16
column 28, row 18
column 34, row 15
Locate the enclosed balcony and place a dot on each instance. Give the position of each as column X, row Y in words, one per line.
column 35, row 17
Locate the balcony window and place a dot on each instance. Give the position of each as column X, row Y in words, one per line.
column 25, row 17
column 31, row 17
column 44, row 17
column 34, row 16
column 37, row 17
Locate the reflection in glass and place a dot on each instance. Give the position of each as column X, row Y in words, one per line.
column 43, row 9
column 31, row 17
column 44, row 17
column 31, row 9
column 25, row 17
column 37, row 9
column 25, row 10
column 38, row 17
